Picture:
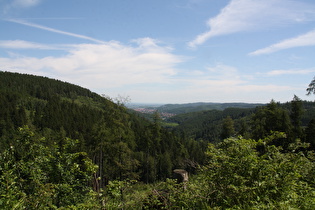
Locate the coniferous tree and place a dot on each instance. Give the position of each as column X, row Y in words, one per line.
column 271, row 118
column 311, row 87
column 310, row 133
column 227, row 128
column 296, row 116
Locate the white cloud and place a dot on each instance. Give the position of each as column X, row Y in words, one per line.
column 221, row 71
column 307, row 39
column 217, row 91
column 146, row 72
column 290, row 72
column 245, row 15
column 102, row 66
column 219, row 83
column 25, row 3
column 18, row 4
column 23, row 22
column 21, row 44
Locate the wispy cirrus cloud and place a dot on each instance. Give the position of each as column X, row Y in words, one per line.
column 246, row 15
column 307, row 39
column 21, row 44
column 223, row 72
column 25, row 3
column 290, row 72
column 9, row 5
column 34, row 25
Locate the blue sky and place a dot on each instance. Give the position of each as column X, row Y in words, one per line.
column 166, row 51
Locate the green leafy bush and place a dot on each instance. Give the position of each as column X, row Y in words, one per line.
column 33, row 176
column 244, row 173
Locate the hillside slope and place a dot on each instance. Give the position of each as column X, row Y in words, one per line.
column 123, row 144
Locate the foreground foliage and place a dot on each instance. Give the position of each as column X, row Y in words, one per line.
column 35, row 176
column 239, row 174
column 246, row 174
column 243, row 173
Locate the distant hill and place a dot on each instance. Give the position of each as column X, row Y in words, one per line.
column 202, row 106
column 207, row 123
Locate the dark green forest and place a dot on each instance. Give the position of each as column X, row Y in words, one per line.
column 295, row 118
column 65, row 147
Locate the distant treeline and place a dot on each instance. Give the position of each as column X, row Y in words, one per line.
column 295, row 118
column 202, row 106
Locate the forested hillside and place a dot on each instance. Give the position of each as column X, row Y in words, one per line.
column 65, row 147
column 67, row 118
column 207, row 125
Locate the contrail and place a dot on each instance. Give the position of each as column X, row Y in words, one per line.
column 23, row 22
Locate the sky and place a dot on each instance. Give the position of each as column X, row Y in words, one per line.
column 165, row 51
